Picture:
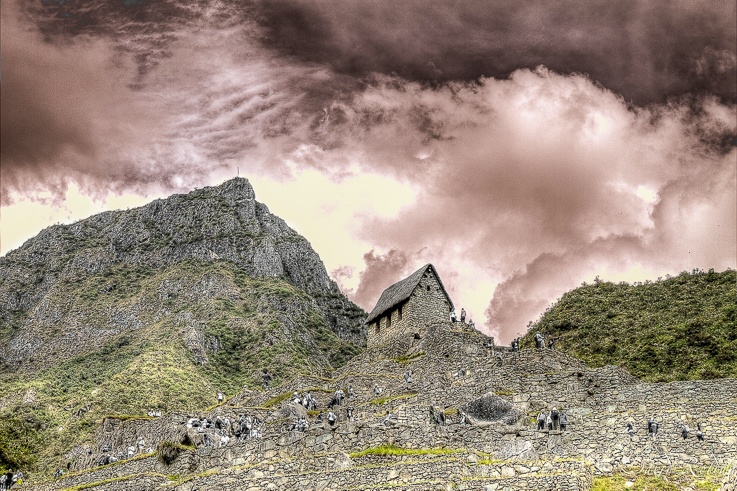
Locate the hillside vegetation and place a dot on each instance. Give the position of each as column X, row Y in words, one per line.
column 186, row 350
column 679, row 328
column 158, row 307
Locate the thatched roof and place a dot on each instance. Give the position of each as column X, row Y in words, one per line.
column 401, row 290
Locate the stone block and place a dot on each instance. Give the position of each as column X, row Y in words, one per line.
column 324, row 438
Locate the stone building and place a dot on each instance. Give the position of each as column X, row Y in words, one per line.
column 406, row 308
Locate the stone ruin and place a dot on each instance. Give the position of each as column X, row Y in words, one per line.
column 454, row 368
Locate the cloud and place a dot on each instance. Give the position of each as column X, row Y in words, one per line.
column 540, row 181
column 170, row 93
column 92, row 94
column 381, row 271
column 645, row 50
column 68, row 115
column 617, row 159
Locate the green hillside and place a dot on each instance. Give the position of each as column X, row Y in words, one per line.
column 679, row 328
column 190, row 346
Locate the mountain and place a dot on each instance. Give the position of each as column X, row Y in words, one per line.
column 159, row 307
column 679, row 328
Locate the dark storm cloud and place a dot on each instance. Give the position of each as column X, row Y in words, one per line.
column 645, row 50
column 62, row 110
column 75, row 109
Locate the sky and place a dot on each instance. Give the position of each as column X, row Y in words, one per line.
column 521, row 147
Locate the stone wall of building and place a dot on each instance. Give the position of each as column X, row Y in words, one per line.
column 426, row 306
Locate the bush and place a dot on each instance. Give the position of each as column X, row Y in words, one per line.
column 674, row 329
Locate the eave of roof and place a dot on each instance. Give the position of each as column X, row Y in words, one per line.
column 401, row 291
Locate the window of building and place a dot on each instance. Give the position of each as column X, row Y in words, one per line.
column 378, row 323
column 389, row 320
column 399, row 313
column 428, row 287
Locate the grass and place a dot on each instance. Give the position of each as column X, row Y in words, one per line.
column 505, row 392
column 128, row 417
column 489, row 461
column 408, row 358
column 675, row 480
column 88, row 485
column 119, row 462
column 319, row 389
column 391, row 450
column 207, row 473
column 278, row 399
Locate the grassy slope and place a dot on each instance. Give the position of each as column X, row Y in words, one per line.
column 150, row 367
column 680, row 328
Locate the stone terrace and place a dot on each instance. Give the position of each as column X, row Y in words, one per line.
column 450, row 366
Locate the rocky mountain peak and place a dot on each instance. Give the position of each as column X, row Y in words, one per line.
column 238, row 187
column 218, row 224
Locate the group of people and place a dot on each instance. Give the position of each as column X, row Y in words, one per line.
column 337, row 399
column 310, row 403
column 154, row 413
column 455, row 318
column 307, row 400
column 653, row 425
column 441, row 418
column 300, row 424
column 515, row 345
column 218, row 432
column 540, row 340
column 554, row 420
column 10, row 479
column 108, row 457
column 331, row 418
column 686, row 431
column 247, row 428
